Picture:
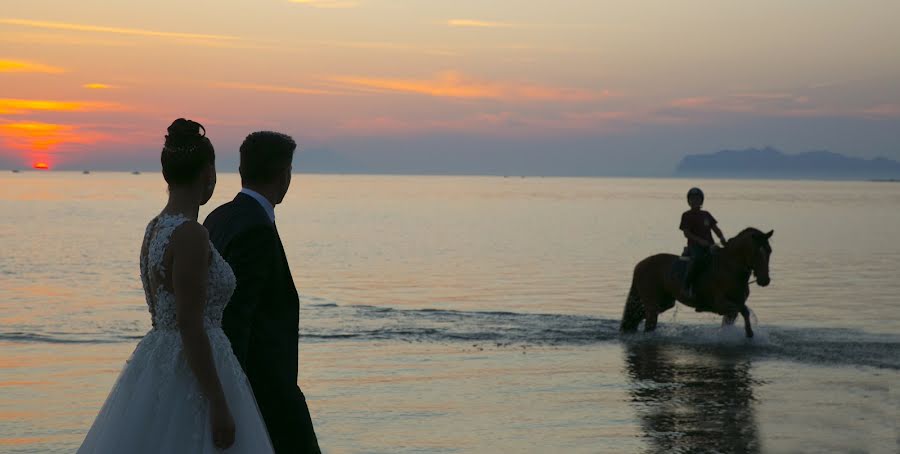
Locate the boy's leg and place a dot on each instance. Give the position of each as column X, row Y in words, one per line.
column 688, row 278
column 694, row 266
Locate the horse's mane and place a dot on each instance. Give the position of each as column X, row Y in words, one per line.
column 748, row 231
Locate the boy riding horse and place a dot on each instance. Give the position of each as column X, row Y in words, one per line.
column 698, row 226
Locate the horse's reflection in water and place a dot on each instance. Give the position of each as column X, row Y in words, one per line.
column 692, row 401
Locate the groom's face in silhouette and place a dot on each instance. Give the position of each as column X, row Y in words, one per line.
column 285, row 182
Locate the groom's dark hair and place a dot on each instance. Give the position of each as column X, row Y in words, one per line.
column 264, row 155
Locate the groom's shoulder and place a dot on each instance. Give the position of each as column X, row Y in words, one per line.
column 220, row 215
column 221, row 210
column 234, row 217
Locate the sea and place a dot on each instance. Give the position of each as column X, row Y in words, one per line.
column 479, row 314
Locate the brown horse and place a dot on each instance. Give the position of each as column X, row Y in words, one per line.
column 721, row 288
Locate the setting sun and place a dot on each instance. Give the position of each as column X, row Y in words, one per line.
column 41, row 166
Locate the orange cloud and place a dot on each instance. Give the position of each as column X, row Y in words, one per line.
column 752, row 103
column 698, row 101
column 113, row 30
column 389, row 46
column 493, row 123
column 59, row 39
column 770, row 104
column 477, row 23
column 19, row 66
column 275, row 89
column 455, row 85
column 44, row 137
column 97, row 86
column 328, row 4
column 23, row 106
column 770, row 96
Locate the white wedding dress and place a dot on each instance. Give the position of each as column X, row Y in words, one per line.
column 156, row 405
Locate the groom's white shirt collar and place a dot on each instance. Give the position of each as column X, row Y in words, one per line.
column 264, row 202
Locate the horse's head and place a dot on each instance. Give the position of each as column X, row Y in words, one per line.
column 754, row 249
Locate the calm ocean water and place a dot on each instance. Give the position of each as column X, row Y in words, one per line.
column 480, row 314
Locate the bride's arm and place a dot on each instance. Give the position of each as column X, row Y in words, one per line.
column 190, row 264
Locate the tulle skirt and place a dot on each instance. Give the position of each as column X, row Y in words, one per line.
column 156, row 405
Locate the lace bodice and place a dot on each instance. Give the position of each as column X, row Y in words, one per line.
column 160, row 300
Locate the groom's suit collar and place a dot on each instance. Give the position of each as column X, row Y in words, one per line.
column 249, row 205
column 263, row 202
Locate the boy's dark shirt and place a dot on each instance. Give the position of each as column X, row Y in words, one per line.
column 699, row 223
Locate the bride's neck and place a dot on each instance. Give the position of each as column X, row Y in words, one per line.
column 184, row 201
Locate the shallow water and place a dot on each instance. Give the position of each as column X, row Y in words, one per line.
column 480, row 314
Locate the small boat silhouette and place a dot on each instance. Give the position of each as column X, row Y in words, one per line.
column 135, row 173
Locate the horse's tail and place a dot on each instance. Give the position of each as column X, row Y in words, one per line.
column 633, row 313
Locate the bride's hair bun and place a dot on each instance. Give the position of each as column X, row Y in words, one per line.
column 186, row 151
column 184, row 135
column 182, row 129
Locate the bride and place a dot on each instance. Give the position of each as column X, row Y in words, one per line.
column 183, row 390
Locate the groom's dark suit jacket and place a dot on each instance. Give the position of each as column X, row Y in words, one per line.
column 262, row 319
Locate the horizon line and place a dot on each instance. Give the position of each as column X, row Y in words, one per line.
column 499, row 175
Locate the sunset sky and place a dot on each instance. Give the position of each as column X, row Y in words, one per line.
column 569, row 87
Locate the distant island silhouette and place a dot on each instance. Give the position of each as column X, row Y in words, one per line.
column 772, row 163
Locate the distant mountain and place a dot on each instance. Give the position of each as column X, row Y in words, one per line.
column 772, row 163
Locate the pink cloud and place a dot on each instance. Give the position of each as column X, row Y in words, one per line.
column 883, row 110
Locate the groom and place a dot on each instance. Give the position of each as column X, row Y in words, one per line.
column 262, row 318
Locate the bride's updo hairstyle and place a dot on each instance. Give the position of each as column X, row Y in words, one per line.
column 186, row 152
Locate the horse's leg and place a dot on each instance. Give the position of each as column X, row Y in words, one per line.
column 730, row 309
column 651, row 313
column 728, row 320
column 633, row 313
column 745, row 312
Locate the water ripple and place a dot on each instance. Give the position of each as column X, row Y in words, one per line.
column 329, row 322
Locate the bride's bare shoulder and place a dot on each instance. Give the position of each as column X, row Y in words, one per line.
column 190, row 230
